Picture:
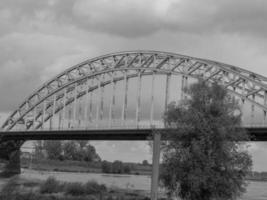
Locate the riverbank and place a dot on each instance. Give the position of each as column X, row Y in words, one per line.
column 134, row 184
column 256, row 190
column 18, row 188
column 122, row 181
column 79, row 166
column 96, row 167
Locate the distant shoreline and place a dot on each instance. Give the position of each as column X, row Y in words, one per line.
column 80, row 167
column 257, row 180
column 84, row 172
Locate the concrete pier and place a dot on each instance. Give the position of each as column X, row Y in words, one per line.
column 10, row 152
column 13, row 164
column 155, row 165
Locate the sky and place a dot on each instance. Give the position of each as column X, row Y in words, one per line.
column 39, row 39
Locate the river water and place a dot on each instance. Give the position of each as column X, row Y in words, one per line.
column 256, row 190
column 136, row 182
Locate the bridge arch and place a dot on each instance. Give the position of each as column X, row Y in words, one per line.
column 90, row 75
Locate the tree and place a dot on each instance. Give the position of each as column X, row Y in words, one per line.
column 117, row 167
column 38, row 149
column 53, row 149
column 106, row 167
column 89, row 154
column 126, row 169
column 82, row 143
column 145, row 162
column 205, row 158
column 70, row 150
column 80, row 151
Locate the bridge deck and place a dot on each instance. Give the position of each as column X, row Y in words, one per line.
column 257, row 133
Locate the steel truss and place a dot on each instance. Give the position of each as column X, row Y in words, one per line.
column 56, row 95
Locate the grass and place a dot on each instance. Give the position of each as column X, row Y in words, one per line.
column 75, row 189
column 51, row 185
column 34, row 196
column 52, row 189
column 5, row 174
column 31, row 184
column 10, row 187
column 92, row 187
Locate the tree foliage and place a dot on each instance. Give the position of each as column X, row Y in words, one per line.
column 205, row 157
column 145, row 162
column 116, row 167
column 38, row 149
column 53, row 149
column 69, row 150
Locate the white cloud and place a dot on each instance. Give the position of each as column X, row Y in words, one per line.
column 26, row 59
column 141, row 18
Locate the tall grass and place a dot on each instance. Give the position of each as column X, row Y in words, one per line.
column 34, row 196
column 51, row 185
column 69, row 191
column 9, row 188
column 92, row 187
column 75, row 189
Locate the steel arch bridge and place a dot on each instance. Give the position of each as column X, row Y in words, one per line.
column 105, row 98
column 84, row 96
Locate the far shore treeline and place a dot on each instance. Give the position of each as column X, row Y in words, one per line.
column 74, row 161
column 76, row 156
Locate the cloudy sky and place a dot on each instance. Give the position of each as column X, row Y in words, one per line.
column 38, row 39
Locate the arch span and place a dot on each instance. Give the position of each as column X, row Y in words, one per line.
column 67, row 87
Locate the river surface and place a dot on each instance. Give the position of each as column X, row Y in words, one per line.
column 256, row 190
column 136, row 182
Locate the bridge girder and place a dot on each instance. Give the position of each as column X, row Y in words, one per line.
column 52, row 96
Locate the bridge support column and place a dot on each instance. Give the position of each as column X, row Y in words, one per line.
column 10, row 153
column 155, row 167
column 13, row 165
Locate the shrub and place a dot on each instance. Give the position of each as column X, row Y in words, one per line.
column 18, row 196
column 109, row 197
column 74, row 189
column 35, row 196
column 10, row 187
column 26, row 196
column 30, row 184
column 51, row 185
column 146, row 198
column 92, row 187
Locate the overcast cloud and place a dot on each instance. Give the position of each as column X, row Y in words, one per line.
column 38, row 39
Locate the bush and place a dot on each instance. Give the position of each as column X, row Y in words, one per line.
column 35, row 196
column 30, row 184
column 18, row 196
column 74, row 189
column 109, row 197
column 92, row 187
column 51, row 185
column 9, row 188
